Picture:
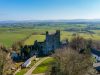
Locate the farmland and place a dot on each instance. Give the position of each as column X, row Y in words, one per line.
column 27, row 33
column 11, row 34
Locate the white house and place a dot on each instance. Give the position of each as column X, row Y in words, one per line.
column 26, row 63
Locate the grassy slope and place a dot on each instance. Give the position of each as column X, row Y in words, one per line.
column 44, row 66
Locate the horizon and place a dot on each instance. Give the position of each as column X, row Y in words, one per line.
column 49, row 9
column 53, row 20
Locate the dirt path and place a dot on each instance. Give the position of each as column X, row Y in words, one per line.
column 29, row 72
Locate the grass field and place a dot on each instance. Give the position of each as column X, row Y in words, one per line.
column 33, row 38
column 44, row 66
column 8, row 39
column 9, row 35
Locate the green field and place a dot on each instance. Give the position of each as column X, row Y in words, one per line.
column 10, row 35
column 31, row 40
column 44, row 66
column 8, row 39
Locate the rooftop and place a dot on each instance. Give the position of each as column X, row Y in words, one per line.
column 95, row 51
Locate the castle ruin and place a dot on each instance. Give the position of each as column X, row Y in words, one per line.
column 51, row 43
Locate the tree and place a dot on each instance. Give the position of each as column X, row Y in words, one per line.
column 78, row 43
column 96, row 45
column 4, row 61
column 70, row 62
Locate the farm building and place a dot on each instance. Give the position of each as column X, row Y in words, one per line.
column 96, row 54
column 26, row 63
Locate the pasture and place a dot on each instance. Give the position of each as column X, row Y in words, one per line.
column 10, row 35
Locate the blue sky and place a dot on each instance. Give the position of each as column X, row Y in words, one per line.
column 49, row 9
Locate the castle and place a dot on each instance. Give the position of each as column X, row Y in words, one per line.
column 51, row 43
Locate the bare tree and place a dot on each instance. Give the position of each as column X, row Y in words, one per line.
column 5, row 61
column 70, row 62
column 96, row 44
column 2, row 59
column 78, row 43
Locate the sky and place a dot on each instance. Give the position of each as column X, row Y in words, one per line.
column 49, row 9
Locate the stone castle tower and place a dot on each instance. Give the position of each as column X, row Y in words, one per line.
column 52, row 41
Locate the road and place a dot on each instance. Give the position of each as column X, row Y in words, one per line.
column 29, row 72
